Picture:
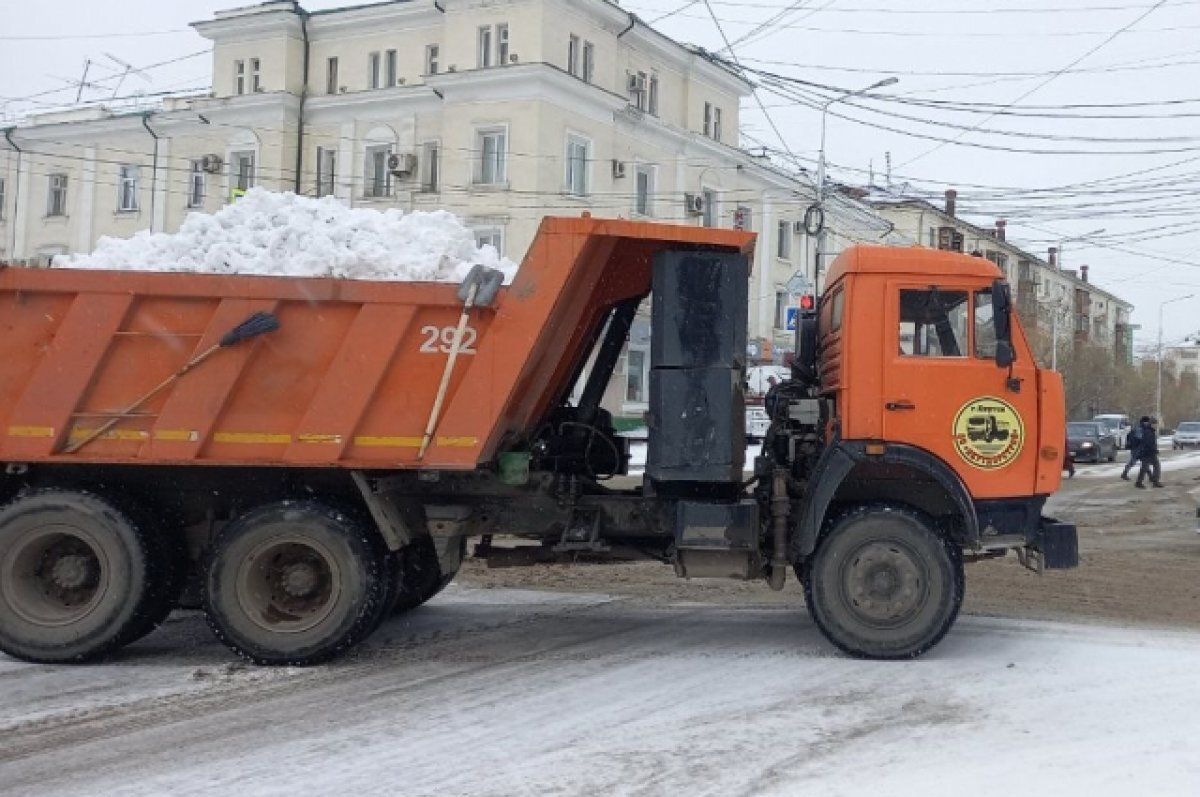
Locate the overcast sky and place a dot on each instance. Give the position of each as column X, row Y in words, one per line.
column 1062, row 116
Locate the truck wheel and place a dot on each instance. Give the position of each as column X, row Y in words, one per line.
column 419, row 576
column 294, row 583
column 78, row 578
column 882, row 584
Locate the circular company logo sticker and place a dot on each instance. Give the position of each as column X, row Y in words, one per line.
column 988, row 433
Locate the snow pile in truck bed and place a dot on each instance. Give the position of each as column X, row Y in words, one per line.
column 282, row 234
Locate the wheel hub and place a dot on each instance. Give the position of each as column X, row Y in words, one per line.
column 73, row 571
column 298, row 580
column 884, row 584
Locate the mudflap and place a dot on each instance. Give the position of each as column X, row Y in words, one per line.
column 1057, row 544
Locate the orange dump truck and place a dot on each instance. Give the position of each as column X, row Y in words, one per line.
column 308, row 455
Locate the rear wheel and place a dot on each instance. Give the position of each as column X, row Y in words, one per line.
column 78, row 578
column 419, row 574
column 882, row 584
column 294, row 583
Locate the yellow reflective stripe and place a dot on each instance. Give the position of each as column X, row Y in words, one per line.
column 251, row 437
column 387, row 442
column 31, row 431
column 176, row 435
column 318, row 438
column 457, row 442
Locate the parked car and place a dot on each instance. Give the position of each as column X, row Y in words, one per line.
column 1188, row 434
column 757, row 423
column 1118, row 424
column 1091, row 442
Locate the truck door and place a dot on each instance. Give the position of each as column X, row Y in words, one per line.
column 943, row 392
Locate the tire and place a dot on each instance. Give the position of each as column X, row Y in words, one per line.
column 294, row 583
column 880, row 552
column 78, row 578
column 419, row 575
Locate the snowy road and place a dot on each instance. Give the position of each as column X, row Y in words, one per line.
column 501, row 692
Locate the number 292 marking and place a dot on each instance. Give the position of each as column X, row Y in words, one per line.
column 441, row 339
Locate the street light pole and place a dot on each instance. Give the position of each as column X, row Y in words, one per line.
column 1158, row 388
column 821, row 161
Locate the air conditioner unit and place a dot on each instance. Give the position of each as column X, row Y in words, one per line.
column 636, row 84
column 618, row 169
column 211, row 163
column 402, row 165
column 693, row 204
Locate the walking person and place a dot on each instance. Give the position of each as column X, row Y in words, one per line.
column 1148, row 454
column 1068, row 461
column 1134, row 442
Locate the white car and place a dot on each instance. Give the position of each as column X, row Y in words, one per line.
column 757, row 423
column 1187, row 434
column 1118, row 425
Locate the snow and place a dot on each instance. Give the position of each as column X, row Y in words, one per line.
column 270, row 233
column 495, row 692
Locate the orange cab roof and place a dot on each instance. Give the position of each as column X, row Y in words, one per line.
column 917, row 260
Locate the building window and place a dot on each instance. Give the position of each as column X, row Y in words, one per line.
column 326, row 171
column 431, row 59
column 239, row 77
column 255, row 75
column 492, row 147
column 642, row 91
column 241, row 173
column 127, row 188
column 782, row 302
column 652, row 102
column 635, row 376
column 589, row 61
column 783, row 241
column 710, row 207
column 933, row 238
column 331, row 76
column 2, row 197
column 431, row 155
column 573, row 55
column 712, row 121
column 197, row 184
column 578, row 150
column 373, row 70
column 484, row 47
column 379, row 180
column 490, row 236
column 643, row 203
column 501, row 44
column 389, row 71
column 56, row 201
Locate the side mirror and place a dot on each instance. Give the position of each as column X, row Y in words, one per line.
column 1005, row 356
column 1002, row 323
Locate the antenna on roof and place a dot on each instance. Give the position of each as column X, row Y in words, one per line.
column 82, row 83
column 128, row 69
column 887, row 156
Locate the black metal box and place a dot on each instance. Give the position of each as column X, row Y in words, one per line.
column 697, row 426
column 699, row 310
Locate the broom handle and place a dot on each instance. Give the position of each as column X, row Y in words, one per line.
column 441, row 394
column 154, row 391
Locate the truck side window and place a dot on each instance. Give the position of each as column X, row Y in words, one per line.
column 985, row 328
column 933, row 323
column 835, row 313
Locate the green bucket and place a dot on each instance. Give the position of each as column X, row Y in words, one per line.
column 514, row 467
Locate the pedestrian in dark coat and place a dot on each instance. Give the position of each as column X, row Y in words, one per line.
column 1068, row 460
column 1148, row 454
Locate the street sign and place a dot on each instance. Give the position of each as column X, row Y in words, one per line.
column 792, row 314
column 799, row 284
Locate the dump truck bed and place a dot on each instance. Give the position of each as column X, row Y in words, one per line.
column 349, row 378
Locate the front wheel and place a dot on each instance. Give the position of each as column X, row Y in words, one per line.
column 882, row 584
